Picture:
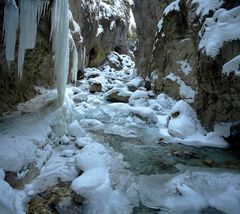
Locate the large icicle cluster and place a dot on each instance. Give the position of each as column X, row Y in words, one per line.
column 10, row 26
column 30, row 11
column 27, row 18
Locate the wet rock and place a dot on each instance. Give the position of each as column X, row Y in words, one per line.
column 234, row 138
column 134, row 84
column 148, row 85
column 208, row 163
column 80, row 74
column 80, row 97
column 59, row 199
column 20, row 179
column 184, row 154
column 175, row 114
column 95, row 87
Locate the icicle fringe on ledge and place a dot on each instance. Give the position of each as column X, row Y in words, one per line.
column 27, row 17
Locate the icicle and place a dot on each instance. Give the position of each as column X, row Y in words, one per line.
column 60, row 44
column 10, row 26
column 83, row 57
column 30, row 12
column 74, row 69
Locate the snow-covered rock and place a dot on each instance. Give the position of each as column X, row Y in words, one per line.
column 82, row 96
column 183, row 121
column 222, row 27
column 118, row 95
column 83, row 141
column 75, row 130
column 91, row 156
column 15, row 153
column 64, row 140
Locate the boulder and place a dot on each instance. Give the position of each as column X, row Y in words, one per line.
column 118, row 95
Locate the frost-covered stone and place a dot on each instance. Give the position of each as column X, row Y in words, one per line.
column 75, row 130
column 92, row 156
column 83, row 141
column 67, row 153
column 91, row 124
column 65, row 140
column 80, row 97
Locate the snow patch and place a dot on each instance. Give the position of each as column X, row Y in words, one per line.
column 186, row 92
column 172, row 6
column 207, row 5
column 222, row 27
column 232, row 66
column 185, row 67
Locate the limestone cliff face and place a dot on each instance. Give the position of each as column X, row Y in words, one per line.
column 147, row 13
column 103, row 27
column 177, row 66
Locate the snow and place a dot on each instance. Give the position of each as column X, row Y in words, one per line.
column 186, row 123
column 185, row 91
column 75, row 130
column 10, row 26
column 65, row 140
column 232, row 66
column 205, row 6
column 172, row 6
column 7, row 198
column 165, row 101
column 80, row 97
column 185, row 128
column 135, row 82
column 160, row 24
column 83, row 141
column 23, row 153
column 185, row 67
column 94, row 183
column 99, row 30
column 222, row 27
column 20, row 135
column 191, row 190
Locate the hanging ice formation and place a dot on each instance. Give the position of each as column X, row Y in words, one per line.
column 60, row 44
column 28, row 16
column 30, row 11
column 77, row 31
column 10, row 26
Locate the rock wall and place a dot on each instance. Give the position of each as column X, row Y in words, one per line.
column 103, row 28
column 147, row 14
column 177, row 66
